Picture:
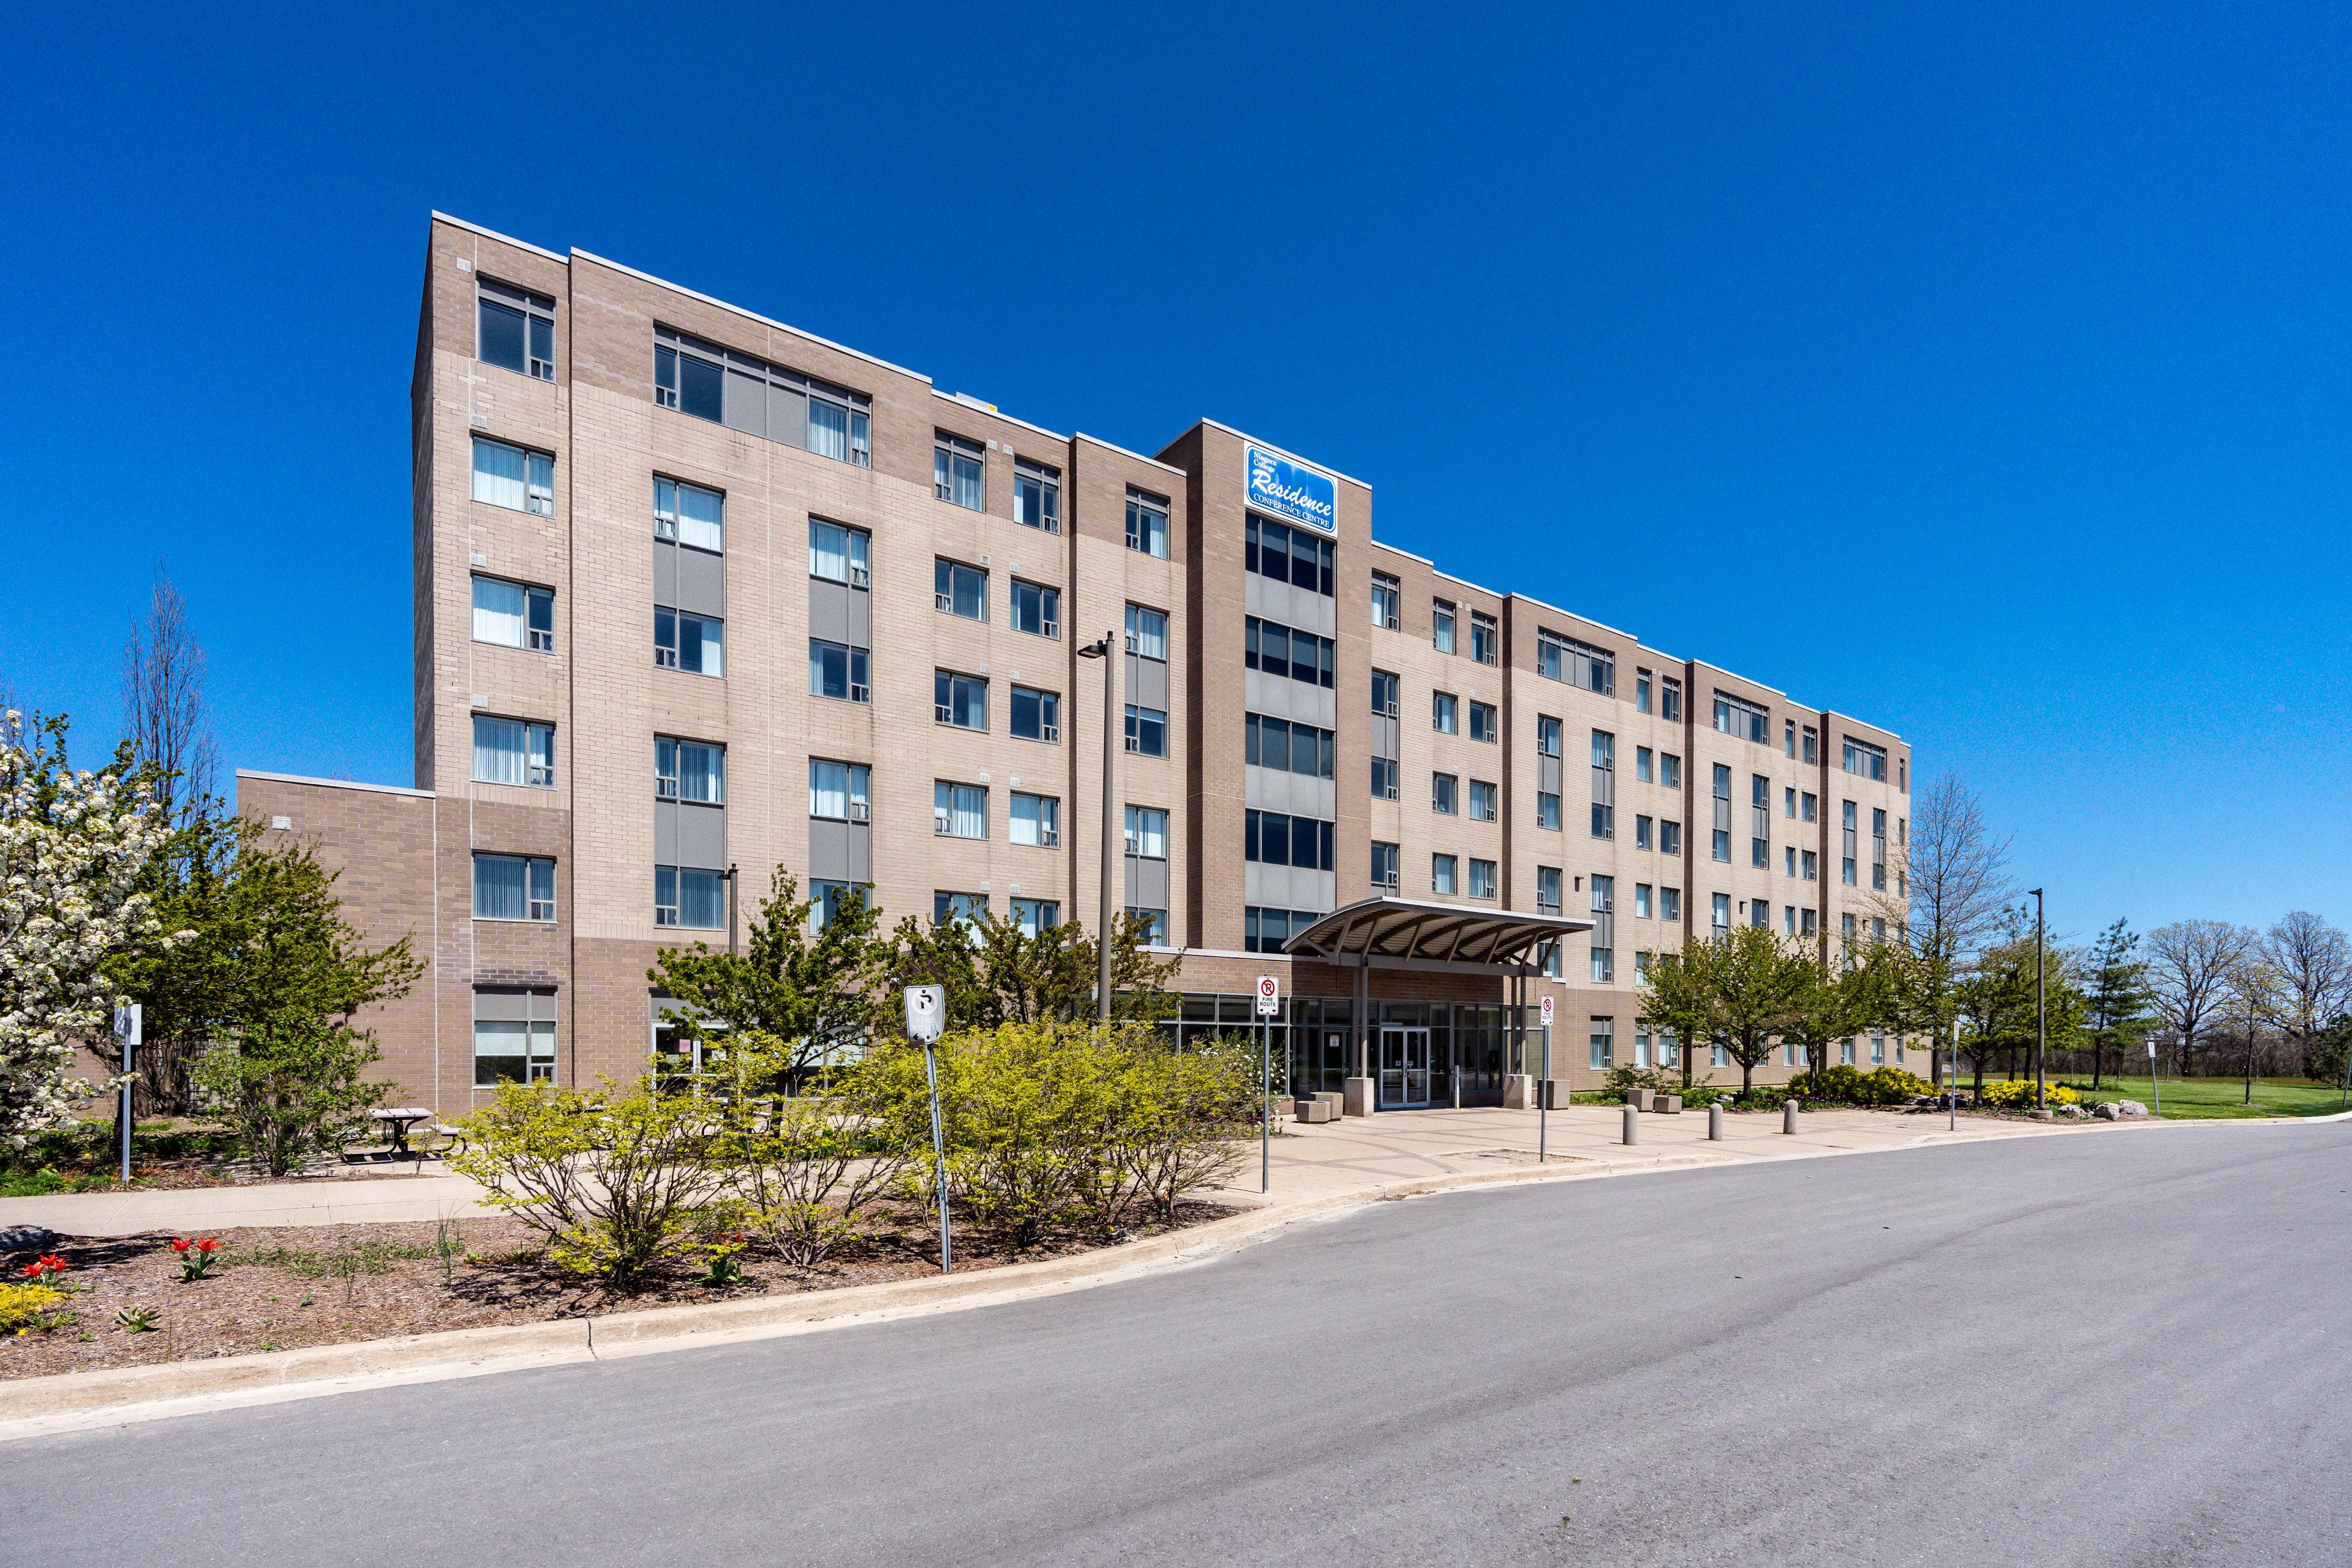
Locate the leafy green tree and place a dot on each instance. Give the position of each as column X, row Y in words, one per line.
column 798, row 997
column 1841, row 1002
column 1743, row 990
column 292, row 1090
column 996, row 974
column 2117, row 1014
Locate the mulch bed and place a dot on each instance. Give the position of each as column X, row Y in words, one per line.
column 282, row 1288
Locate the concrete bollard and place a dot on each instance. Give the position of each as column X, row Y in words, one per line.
column 1788, row 1115
column 1714, row 1123
column 1632, row 1124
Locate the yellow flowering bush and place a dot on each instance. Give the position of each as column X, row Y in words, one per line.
column 2017, row 1095
column 25, row 1308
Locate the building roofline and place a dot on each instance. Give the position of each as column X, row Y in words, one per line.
column 441, row 218
column 1852, row 719
column 244, row 773
column 800, row 332
column 965, row 400
column 1124, row 452
column 1284, row 451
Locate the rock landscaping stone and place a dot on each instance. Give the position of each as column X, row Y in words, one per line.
column 2105, row 1111
column 27, row 1238
column 2130, row 1108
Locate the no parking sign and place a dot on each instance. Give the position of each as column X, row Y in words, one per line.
column 1546, row 1009
column 1269, row 996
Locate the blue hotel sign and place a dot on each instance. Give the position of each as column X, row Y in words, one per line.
column 1292, row 490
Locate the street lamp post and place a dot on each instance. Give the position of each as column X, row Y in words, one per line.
column 1100, row 649
column 2041, row 1013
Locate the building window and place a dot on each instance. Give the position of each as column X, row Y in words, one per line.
column 1722, row 844
column 1036, row 715
column 1641, row 691
column 694, row 643
column 1147, row 524
column 1485, row 725
column 958, row 810
column 514, row 615
column 514, row 751
column 1789, row 803
column 959, row 700
column 1789, row 920
column 514, row 887
column 688, row 897
column 513, row 477
column 1442, row 791
column 1037, row 820
column 837, row 554
column 1720, row 913
column 694, row 771
column 1147, row 632
column 1485, row 639
column 1848, row 848
column 838, row 670
column 1604, row 785
column 1642, row 901
column 1386, row 594
column 1288, row 555
column 1440, row 874
column 1581, row 665
column 1760, row 826
column 516, row 330
column 1602, row 1036
column 1789, row 738
column 759, row 399
column 1384, row 693
column 1605, row 929
column 964, row 909
column 1812, row 747
column 1272, row 838
column 1868, row 760
column 1670, row 838
column 1811, row 862
column 1806, row 926
column 1760, row 914
column 1790, row 851
column 838, row 791
column 1146, row 832
column 958, row 471
column 1877, row 1047
column 1150, row 926
column 1738, row 716
column 1288, row 747
column 1444, row 713
column 1387, row 867
column 1641, row 833
column 1809, row 807
column 1547, row 811
column 1035, row 916
column 959, row 590
column 1670, row 699
column 1878, row 850
column 1670, row 770
column 691, row 515
column 1641, row 764
column 1036, row 498
column 1270, row 930
column 1440, row 626
column 1147, row 731
column 1484, row 801
column 514, row 1038
column 1275, row 649
column 1669, row 904
column 1036, row 608
column 1482, row 879
column 1548, row 889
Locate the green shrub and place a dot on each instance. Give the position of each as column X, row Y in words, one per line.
column 1843, row 1085
column 2017, row 1093
column 1622, row 1081
column 807, row 1168
column 612, row 1180
column 291, row 1094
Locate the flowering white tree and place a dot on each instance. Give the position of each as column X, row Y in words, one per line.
column 72, row 845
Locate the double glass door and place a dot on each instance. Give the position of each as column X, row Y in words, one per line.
column 1405, row 1076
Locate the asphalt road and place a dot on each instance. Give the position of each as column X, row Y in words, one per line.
column 2122, row 1348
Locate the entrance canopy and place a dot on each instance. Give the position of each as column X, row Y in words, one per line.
column 1408, row 934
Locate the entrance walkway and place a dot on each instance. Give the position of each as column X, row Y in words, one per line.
column 1359, row 1155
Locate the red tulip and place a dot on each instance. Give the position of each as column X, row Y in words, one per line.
column 179, row 1244
column 207, row 1244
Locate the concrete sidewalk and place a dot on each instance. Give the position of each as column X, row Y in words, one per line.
column 1359, row 1156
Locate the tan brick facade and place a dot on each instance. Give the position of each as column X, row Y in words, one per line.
column 407, row 855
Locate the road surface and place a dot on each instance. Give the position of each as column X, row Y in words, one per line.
column 2125, row 1347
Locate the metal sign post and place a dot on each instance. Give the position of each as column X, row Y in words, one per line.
column 2154, row 1085
column 1952, row 1084
column 1543, row 1090
column 128, row 1021
column 927, row 1011
column 1269, row 1002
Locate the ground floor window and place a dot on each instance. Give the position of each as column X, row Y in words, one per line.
column 514, row 1036
column 1604, row 1040
column 1469, row 1045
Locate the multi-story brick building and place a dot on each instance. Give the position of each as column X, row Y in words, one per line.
column 868, row 603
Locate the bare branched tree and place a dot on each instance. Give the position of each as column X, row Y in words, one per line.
column 164, row 715
column 1949, row 900
column 2312, row 963
column 2191, row 968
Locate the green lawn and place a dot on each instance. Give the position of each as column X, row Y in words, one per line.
column 2194, row 1098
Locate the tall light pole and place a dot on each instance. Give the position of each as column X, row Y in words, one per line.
column 1100, row 649
column 2041, row 1013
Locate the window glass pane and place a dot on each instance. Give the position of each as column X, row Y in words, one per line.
column 829, row 790
column 699, row 390
column 499, row 613
column 701, row 899
column 828, row 430
column 499, row 474
column 499, row 887
column 497, row 750
column 702, row 517
column 828, row 552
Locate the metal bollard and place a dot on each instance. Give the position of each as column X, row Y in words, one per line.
column 1632, row 1124
column 1714, row 1123
column 1788, row 1115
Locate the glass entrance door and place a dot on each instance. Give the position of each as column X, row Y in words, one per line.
column 1404, row 1066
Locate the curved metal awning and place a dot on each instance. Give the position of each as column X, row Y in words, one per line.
column 1408, row 934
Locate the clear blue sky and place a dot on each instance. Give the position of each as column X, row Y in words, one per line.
column 1981, row 372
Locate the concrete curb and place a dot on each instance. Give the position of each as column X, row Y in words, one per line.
column 119, row 1397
